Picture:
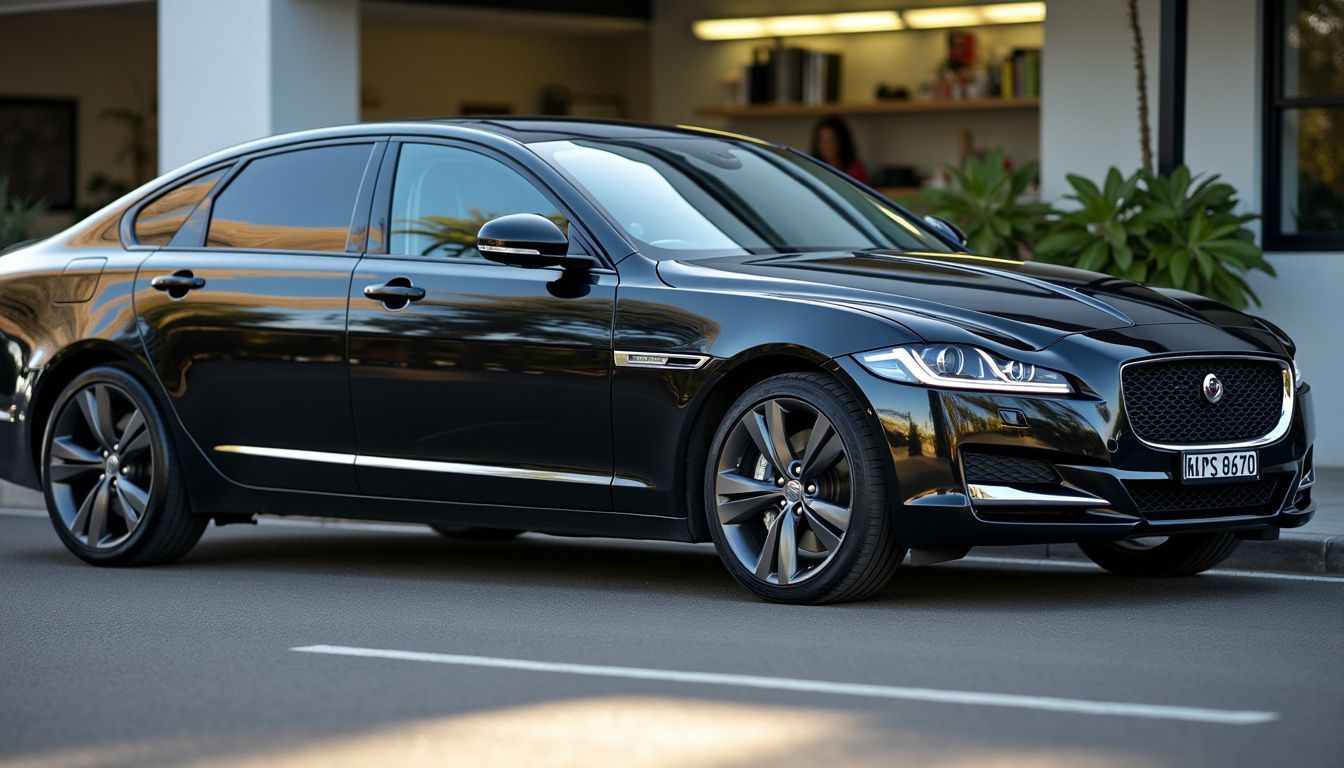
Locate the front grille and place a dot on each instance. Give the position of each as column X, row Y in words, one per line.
column 1156, row 499
column 990, row 469
column 1165, row 403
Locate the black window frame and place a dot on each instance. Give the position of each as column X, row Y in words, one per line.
column 1275, row 105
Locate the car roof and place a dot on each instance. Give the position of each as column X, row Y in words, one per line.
column 528, row 130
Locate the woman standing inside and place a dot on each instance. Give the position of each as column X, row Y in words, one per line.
column 833, row 144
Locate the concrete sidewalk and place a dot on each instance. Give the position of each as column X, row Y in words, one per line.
column 1317, row 547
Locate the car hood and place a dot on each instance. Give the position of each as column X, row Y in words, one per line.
column 940, row 297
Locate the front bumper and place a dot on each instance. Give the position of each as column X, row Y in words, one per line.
column 1100, row 468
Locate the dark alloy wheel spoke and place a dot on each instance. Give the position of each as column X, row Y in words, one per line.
column 742, row 498
column 95, row 404
column 134, row 436
column 834, row 514
column 828, row 538
column 131, row 501
column 783, row 472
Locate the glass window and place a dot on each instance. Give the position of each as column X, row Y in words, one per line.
column 442, row 195
column 294, row 201
column 1305, row 125
column 159, row 221
column 692, row 197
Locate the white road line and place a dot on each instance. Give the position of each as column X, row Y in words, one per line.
column 930, row 695
column 416, row 528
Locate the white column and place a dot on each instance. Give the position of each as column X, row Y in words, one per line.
column 239, row 70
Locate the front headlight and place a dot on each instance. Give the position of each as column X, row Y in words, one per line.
column 957, row 366
column 1297, row 375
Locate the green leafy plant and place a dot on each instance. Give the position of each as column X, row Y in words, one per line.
column 985, row 199
column 17, row 216
column 1174, row 231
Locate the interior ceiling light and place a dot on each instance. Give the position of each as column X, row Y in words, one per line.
column 791, row 26
column 868, row 21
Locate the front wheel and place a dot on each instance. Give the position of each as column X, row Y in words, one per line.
column 795, row 491
column 110, row 474
column 1161, row 555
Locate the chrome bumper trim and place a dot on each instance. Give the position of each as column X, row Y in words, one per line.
column 1008, row 496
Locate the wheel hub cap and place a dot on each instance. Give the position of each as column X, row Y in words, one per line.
column 793, row 491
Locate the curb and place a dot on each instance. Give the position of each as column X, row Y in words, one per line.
column 1291, row 553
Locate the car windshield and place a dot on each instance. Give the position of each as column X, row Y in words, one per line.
column 692, row 197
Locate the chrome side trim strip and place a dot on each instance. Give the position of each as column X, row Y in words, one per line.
column 482, row 470
column 288, row 453
column 1280, row 429
column 1007, row 496
column 421, row 465
column 664, row 360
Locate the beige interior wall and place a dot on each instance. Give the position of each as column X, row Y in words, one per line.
column 411, row 71
column 97, row 56
column 688, row 74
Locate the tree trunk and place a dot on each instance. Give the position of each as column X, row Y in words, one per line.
column 1141, row 65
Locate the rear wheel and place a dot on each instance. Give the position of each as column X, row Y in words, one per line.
column 795, row 493
column 109, row 473
column 1161, row 555
column 477, row 534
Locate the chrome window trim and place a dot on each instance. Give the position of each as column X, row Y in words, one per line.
column 1276, row 434
column 422, row 465
column 662, row 360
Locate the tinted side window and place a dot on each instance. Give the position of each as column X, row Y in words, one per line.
column 294, row 201
column 442, row 196
column 159, row 221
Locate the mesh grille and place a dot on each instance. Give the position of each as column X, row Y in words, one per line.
column 1165, row 403
column 987, row 468
column 1163, row 498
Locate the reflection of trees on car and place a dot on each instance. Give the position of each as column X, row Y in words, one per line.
column 456, row 237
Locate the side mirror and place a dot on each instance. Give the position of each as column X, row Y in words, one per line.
column 947, row 229
column 526, row 240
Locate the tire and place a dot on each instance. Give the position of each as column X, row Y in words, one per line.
column 475, row 534
column 129, row 508
column 1176, row 556
column 834, row 557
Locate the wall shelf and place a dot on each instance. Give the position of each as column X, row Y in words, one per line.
column 871, row 107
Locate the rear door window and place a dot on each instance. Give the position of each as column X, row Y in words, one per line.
column 293, row 201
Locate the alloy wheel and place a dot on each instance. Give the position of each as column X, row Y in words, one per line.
column 782, row 491
column 100, row 466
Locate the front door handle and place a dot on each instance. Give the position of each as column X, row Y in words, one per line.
column 395, row 293
column 178, row 284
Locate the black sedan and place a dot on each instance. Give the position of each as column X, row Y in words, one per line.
column 608, row 329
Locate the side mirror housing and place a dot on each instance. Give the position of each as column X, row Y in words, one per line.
column 947, row 229
column 526, row 240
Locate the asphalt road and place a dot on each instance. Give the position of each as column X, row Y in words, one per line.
column 963, row 664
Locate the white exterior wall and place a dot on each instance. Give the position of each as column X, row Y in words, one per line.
column 1089, row 123
column 235, row 71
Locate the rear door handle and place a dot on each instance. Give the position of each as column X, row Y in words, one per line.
column 178, row 284
column 395, row 293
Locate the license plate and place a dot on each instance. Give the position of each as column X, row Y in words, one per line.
column 1203, row 467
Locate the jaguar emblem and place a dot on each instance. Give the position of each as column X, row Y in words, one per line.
column 1213, row 388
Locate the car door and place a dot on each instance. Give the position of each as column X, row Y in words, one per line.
column 494, row 387
column 243, row 315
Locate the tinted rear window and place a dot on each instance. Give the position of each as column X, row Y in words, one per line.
column 295, row 201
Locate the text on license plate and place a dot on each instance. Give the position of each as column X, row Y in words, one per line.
column 1218, row 466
